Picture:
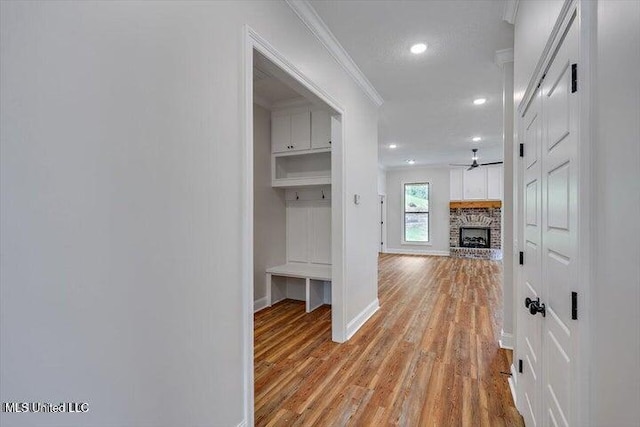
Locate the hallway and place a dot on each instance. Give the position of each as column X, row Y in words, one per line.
column 428, row 357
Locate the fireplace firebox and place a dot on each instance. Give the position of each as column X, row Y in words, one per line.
column 475, row 237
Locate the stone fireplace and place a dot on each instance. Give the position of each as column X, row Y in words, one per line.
column 475, row 229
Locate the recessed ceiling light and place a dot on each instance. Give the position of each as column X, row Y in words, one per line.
column 418, row 48
column 479, row 101
column 476, row 139
column 411, row 161
column 393, row 146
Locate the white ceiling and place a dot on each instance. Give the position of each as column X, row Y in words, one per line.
column 428, row 106
column 266, row 86
column 275, row 88
column 271, row 90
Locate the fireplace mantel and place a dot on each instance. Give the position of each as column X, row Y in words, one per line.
column 477, row 204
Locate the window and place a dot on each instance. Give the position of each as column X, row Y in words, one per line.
column 416, row 212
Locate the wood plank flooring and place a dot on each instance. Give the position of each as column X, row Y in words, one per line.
column 428, row 357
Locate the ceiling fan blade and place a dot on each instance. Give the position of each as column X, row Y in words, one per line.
column 492, row 163
column 471, row 167
column 457, row 164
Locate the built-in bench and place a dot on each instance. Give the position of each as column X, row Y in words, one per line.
column 315, row 275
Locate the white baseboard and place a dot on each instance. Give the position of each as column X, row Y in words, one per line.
column 260, row 304
column 360, row 319
column 506, row 340
column 416, row 252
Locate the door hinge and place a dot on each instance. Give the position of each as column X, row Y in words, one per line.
column 574, row 305
column 521, row 150
column 521, row 260
column 520, row 366
column 574, row 78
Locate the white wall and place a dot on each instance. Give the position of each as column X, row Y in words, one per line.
column 438, row 179
column 121, row 204
column 534, row 21
column 269, row 225
column 362, row 243
column 508, row 259
column 382, row 180
column 615, row 363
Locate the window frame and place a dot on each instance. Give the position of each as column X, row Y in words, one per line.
column 403, row 213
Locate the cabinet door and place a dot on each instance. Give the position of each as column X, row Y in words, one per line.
column 301, row 131
column 280, row 133
column 456, row 184
column 320, row 129
column 494, row 182
column 475, row 184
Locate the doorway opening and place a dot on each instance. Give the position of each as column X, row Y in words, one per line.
column 294, row 195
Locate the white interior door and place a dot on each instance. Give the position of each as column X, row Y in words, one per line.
column 530, row 346
column 547, row 345
column 382, row 224
column 559, row 238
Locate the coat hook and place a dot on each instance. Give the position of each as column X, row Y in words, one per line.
column 297, row 197
column 322, row 193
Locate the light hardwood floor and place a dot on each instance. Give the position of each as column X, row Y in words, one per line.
column 428, row 357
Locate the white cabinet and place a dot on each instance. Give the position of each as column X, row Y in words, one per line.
column 301, row 147
column 494, row 182
column 301, row 131
column 280, row 133
column 475, row 184
column 455, row 177
column 482, row 183
column 290, row 130
column 320, row 129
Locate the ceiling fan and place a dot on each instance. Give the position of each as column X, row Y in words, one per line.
column 475, row 163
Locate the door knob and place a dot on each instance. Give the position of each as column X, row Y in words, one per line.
column 535, row 306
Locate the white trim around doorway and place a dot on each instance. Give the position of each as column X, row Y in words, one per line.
column 251, row 41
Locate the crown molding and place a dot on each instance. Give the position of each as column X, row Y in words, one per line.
column 510, row 10
column 312, row 20
column 503, row 57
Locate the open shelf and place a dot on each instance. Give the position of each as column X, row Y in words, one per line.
column 301, row 169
